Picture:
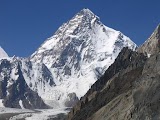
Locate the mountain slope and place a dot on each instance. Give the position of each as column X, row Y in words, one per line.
column 152, row 44
column 129, row 93
column 78, row 54
column 14, row 91
column 3, row 54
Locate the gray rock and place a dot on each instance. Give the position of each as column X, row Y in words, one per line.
column 152, row 44
column 129, row 89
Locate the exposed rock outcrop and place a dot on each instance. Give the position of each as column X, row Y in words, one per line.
column 129, row 89
column 152, row 44
column 14, row 90
column 116, row 81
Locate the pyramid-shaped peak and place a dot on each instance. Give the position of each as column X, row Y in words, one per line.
column 86, row 11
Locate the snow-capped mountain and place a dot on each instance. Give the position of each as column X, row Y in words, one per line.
column 76, row 56
column 14, row 89
column 3, row 54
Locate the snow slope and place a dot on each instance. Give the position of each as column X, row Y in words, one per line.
column 3, row 54
column 15, row 88
column 1, row 103
column 77, row 55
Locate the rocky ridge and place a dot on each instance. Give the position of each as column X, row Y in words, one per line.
column 125, row 92
column 152, row 44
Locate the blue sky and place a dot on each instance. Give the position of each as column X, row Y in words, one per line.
column 25, row 24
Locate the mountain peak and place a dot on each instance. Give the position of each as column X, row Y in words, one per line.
column 86, row 10
column 150, row 46
column 79, row 53
column 3, row 54
column 86, row 13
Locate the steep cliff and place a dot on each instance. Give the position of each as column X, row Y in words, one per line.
column 129, row 89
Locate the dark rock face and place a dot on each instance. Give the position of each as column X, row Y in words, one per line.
column 47, row 75
column 15, row 92
column 129, row 89
column 72, row 100
column 117, row 80
column 125, row 58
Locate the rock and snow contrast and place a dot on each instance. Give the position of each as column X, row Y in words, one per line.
column 14, row 90
column 129, row 89
column 77, row 55
column 64, row 67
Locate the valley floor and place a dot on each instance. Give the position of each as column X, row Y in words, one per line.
column 38, row 114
